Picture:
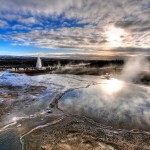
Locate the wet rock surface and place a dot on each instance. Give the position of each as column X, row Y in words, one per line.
column 78, row 133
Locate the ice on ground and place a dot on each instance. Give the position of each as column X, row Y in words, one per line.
column 29, row 95
column 67, row 81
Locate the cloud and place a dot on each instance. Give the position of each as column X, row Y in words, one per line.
column 20, row 27
column 28, row 21
column 80, row 24
column 37, row 7
column 3, row 24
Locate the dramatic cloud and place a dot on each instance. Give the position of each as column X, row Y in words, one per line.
column 80, row 24
column 3, row 24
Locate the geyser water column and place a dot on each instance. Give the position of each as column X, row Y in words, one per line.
column 38, row 63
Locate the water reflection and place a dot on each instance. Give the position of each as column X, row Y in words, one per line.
column 111, row 86
column 111, row 102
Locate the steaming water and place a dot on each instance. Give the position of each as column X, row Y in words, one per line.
column 111, row 102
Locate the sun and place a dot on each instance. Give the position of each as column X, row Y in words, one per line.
column 114, row 36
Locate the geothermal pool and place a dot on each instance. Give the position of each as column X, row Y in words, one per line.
column 111, row 102
column 33, row 107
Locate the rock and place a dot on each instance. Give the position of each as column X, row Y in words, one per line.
column 49, row 111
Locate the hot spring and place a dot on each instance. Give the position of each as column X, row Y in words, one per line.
column 111, row 102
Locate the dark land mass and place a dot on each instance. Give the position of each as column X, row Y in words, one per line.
column 8, row 62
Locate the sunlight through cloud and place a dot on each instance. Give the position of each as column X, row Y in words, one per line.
column 114, row 36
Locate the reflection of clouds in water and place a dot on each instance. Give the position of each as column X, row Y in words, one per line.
column 126, row 108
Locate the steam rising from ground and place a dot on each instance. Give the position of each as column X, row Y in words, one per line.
column 121, row 104
column 113, row 102
column 133, row 67
column 127, row 108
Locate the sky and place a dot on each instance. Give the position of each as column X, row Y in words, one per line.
column 75, row 28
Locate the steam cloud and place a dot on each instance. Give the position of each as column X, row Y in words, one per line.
column 126, row 108
column 134, row 66
column 129, row 109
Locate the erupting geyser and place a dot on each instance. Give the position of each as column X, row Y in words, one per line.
column 38, row 63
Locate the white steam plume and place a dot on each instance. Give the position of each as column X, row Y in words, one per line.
column 133, row 67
